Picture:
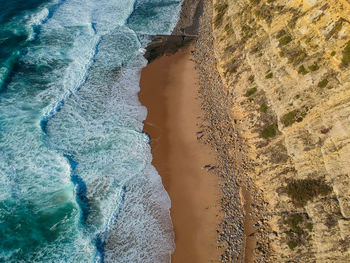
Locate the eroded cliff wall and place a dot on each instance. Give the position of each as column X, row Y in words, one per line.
column 286, row 67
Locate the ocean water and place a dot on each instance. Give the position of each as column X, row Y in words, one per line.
column 76, row 180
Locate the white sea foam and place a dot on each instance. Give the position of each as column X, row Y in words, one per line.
column 35, row 20
column 76, row 96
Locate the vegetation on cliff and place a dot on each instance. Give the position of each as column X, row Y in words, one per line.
column 303, row 190
column 286, row 65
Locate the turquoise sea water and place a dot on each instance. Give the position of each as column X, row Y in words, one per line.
column 76, row 180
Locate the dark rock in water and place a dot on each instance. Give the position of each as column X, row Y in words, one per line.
column 184, row 33
column 166, row 45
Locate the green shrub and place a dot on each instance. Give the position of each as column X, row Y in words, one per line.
column 297, row 224
column 314, row 67
column 232, row 69
column 250, row 92
column 335, row 30
column 303, row 190
column 333, row 53
column 263, row 108
column 292, row 244
column 302, row 70
column 221, row 7
column 346, row 55
column 293, row 222
column 270, row 131
column 323, row 83
column 299, row 228
column 309, row 226
column 227, row 27
column 296, row 55
column 269, row 75
column 221, row 10
column 281, row 33
column 285, row 40
column 255, row 49
column 246, row 28
column 289, row 118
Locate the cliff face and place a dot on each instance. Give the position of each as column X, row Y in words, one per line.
column 286, row 67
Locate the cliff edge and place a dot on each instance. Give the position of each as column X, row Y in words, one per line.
column 286, row 69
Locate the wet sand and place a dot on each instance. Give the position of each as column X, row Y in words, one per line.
column 169, row 90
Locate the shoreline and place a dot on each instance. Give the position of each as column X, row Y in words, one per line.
column 239, row 235
column 169, row 90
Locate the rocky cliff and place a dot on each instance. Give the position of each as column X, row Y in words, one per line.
column 286, row 68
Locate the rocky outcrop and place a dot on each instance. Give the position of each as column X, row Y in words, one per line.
column 286, row 68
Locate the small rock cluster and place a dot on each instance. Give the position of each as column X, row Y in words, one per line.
column 219, row 132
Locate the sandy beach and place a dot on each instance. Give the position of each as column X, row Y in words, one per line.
column 169, row 90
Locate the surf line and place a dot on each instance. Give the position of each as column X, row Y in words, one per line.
column 79, row 185
column 78, row 182
column 81, row 189
column 101, row 238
